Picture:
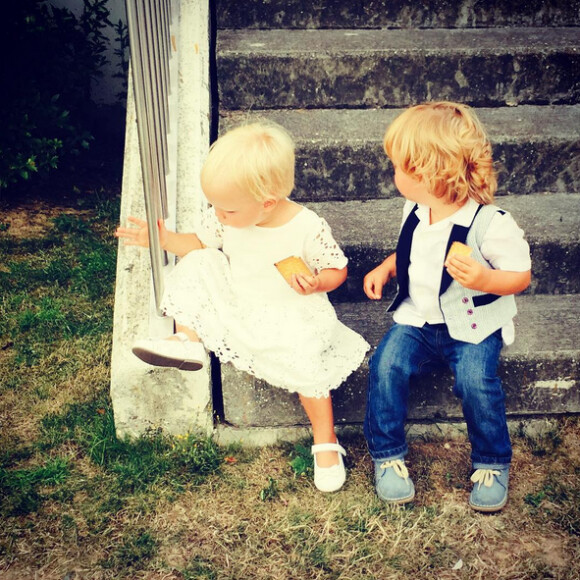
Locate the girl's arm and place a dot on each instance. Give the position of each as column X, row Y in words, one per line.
column 473, row 275
column 182, row 244
column 326, row 280
column 376, row 279
column 178, row 244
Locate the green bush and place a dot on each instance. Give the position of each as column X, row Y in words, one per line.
column 50, row 58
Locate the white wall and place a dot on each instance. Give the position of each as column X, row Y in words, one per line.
column 106, row 89
column 147, row 397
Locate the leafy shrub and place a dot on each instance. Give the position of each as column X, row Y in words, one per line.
column 50, row 59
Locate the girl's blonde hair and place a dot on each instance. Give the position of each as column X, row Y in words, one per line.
column 445, row 145
column 258, row 158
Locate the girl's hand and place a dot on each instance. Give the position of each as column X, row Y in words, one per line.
column 139, row 236
column 305, row 285
column 467, row 271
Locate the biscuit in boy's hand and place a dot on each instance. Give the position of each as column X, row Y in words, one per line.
column 458, row 248
column 292, row 265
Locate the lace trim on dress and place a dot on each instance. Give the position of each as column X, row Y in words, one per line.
column 303, row 349
column 322, row 251
column 211, row 232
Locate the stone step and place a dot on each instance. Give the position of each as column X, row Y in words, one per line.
column 337, row 90
column 340, row 154
column 368, row 230
column 391, row 68
column 540, row 372
column 395, row 14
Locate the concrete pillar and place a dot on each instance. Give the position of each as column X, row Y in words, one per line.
column 146, row 397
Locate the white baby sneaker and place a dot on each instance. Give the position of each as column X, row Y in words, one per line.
column 331, row 478
column 183, row 354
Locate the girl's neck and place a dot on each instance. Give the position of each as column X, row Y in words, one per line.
column 284, row 211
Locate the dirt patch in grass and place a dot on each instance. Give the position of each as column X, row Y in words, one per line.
column 35, row 219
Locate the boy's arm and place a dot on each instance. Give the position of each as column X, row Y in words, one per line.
column 473, row 275
column 376, row 279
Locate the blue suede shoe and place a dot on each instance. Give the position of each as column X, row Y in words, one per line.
column 392, row 481
column 490, row 492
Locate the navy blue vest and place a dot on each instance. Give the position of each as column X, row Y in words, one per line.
column 458, row 234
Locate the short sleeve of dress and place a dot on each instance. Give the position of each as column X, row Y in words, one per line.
column 504, row 246
column 210, row 230
column 321, row 249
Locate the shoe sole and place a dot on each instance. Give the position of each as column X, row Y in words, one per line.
column 159, row 360
column 400, row 501
column 330, row 489
column 488, row 509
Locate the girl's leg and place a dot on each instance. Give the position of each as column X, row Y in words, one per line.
column 190, row 333
column 187, row 354
column 319, row 411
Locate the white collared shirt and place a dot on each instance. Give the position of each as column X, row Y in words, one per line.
column 503, row 246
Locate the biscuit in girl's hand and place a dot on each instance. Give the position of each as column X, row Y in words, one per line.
column 292, row 265
column 458, row 248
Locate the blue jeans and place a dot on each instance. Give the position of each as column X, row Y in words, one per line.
column 407, row 351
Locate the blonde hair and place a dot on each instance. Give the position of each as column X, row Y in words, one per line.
column 445, row 145
column 258, row 158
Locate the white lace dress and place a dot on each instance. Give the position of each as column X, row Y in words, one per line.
column 233, row 296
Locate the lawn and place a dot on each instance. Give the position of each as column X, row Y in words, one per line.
column 77, row 503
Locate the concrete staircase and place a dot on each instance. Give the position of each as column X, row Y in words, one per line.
column 335, row 74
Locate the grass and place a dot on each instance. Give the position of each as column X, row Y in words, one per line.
column 76, row 502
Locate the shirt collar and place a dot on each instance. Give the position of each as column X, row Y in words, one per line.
column 462, row 217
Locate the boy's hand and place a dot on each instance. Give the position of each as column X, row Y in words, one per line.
column 374, row 282
column 305, row 285
column 467, row 271
column 139, row 236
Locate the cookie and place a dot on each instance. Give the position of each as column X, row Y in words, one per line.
column 459, row 248
column 292, row 265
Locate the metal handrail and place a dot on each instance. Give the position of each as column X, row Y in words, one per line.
column 150, row 42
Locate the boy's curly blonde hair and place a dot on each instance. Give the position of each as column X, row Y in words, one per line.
column 444, row 145
column 258, row 158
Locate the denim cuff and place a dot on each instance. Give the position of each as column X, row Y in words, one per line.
column 490, row 465
column 391, row 457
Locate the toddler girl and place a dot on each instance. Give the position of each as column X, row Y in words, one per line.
column 229, row 297
column 451, row 309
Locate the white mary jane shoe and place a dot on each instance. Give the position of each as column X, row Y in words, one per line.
column 331, row 478
column 183, row 354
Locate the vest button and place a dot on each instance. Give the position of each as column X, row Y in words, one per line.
column 465, row 300
column 474, row 326
column 470, row 311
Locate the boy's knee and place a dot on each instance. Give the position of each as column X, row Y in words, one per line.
column 395, row 354
column 386, row 357
column 478, row 387
column 395, row 342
